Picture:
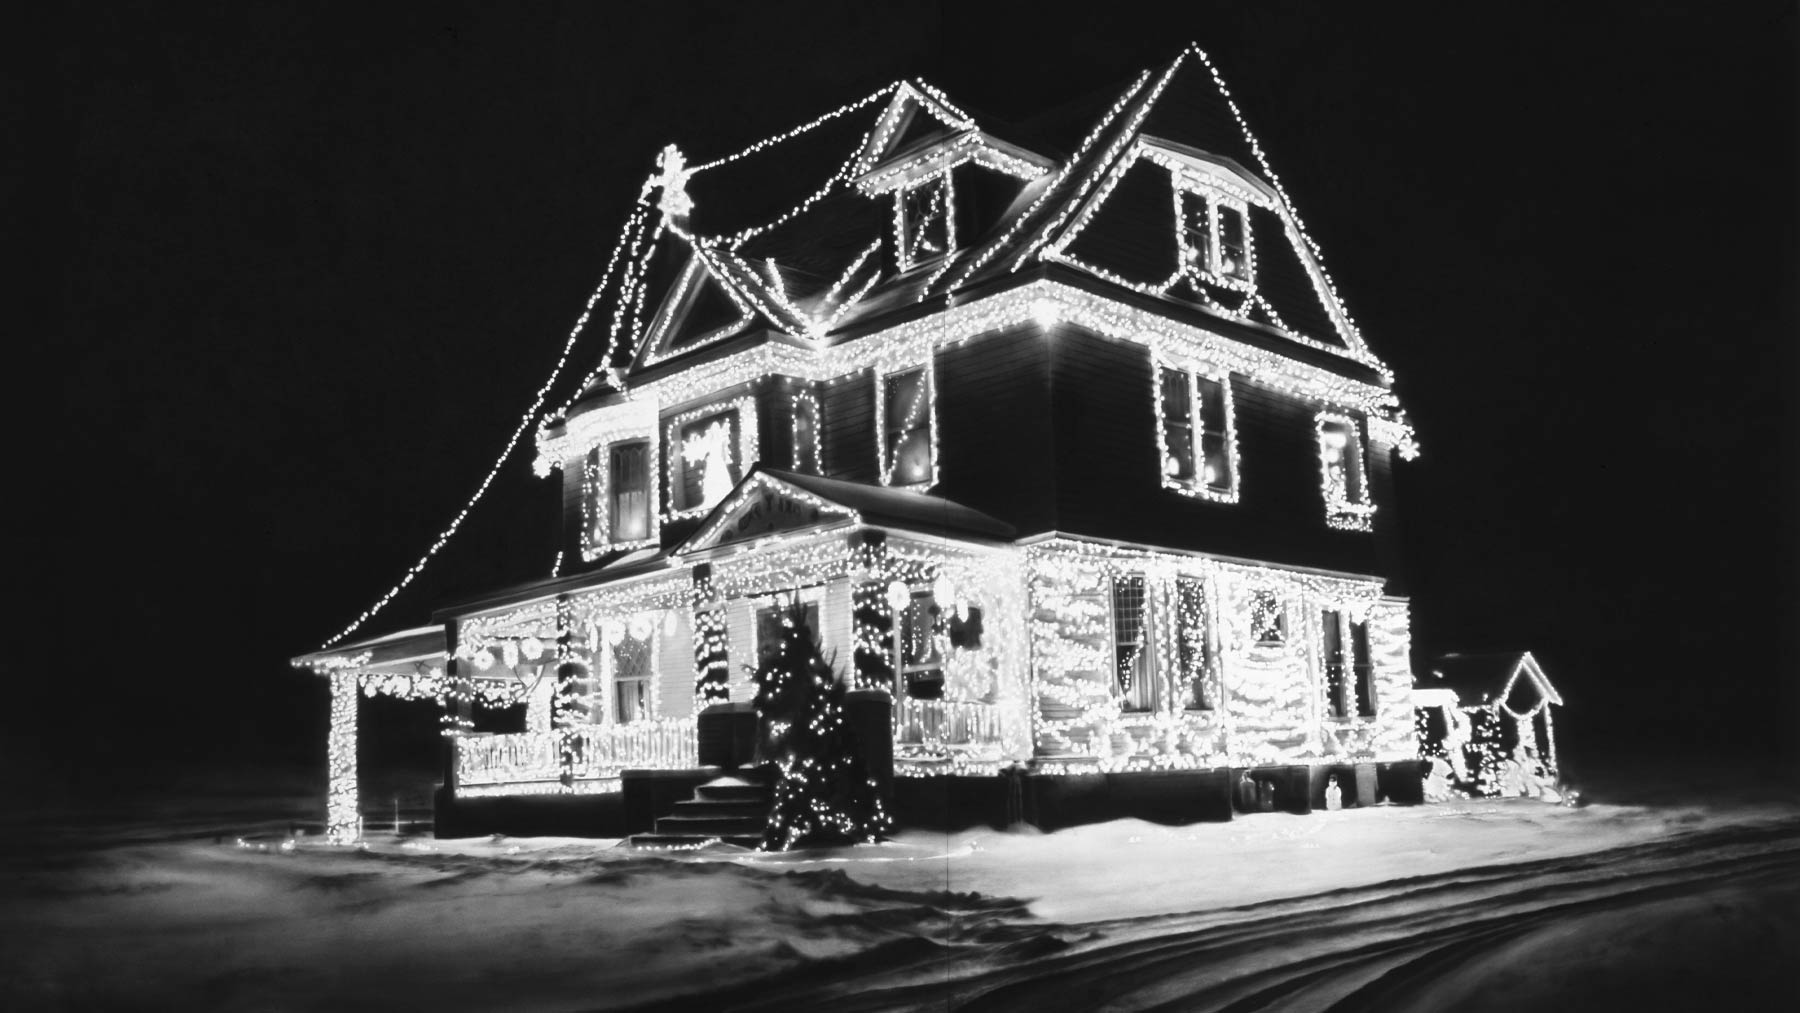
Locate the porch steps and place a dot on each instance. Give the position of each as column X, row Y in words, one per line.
column 733, row 809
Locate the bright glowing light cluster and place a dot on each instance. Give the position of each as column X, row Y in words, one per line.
column 343, row 818
column 1262, row 694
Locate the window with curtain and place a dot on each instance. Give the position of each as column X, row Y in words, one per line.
column 628, row 473
column 1133, row 664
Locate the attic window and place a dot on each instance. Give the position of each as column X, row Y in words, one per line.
column 922, row 220
column 1214, row 239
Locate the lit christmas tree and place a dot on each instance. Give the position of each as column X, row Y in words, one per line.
column 825, row 795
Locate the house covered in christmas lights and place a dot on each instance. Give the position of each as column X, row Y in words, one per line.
column 1486, row 719
column 1058, row 435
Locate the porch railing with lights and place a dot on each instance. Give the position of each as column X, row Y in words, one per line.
column 530, row 760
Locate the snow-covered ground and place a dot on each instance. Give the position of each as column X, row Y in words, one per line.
column 1469, row 905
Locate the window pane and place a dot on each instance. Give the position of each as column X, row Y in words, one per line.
column 1233, row 259
column 708, row 466
column 1177, row 423
column 1196, row 232
column 1267, row 623
column 1216, row 471
column 631, row 679
column 926, row 220
column 904, row 399
column 1334, row 663
column 906, row 417
column 1131, row 655
column 1193, row 652
column 1212, row 404
column 630, row 514
column 916, row 642
column 1343, row 478
column 1362, row 671
column 769, row 623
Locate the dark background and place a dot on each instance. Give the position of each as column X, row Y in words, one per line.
column 317, row 258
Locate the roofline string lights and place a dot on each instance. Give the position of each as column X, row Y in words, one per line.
column 526, row 421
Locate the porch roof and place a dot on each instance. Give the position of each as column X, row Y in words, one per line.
column 884, row 506
column 401, row 649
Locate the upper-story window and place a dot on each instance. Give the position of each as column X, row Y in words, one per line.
column 1197, row 433
column 628, row 497
column 709, row 450
column 1342, row 470
column 923, row 220
column 908, row 443
column 615, row 497
column 1214, row 237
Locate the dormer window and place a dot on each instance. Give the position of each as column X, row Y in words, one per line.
column 1345, row 477
column 923, row 220
column 1214, row 238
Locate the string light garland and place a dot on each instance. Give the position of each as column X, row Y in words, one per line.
column 526, row 421
column 916, row 341
column 1051, row 186
column 1041, row 688
column 818, row 121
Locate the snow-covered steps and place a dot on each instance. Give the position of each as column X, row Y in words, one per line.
column 733, row 809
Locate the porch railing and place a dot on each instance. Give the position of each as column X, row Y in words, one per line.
column 600, row 751
column 945, row 722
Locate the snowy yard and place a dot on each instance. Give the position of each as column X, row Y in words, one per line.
column 1470, row 905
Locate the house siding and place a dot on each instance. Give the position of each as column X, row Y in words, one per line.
column 995, row 452
column 1109, row 482
column 847, row 405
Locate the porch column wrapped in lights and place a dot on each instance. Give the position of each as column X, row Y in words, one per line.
column 871, row 615
column 712, row 666
column 567, row 705
column 343, row 823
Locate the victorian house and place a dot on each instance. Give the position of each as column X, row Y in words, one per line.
column 1057, row 432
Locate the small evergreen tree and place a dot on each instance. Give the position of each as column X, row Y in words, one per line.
column 825, row 795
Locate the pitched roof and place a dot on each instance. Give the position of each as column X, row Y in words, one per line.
column 852, row 502
column 1492, row 677
column 791, row 229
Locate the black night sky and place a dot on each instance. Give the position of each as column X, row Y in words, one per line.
column 317, row 258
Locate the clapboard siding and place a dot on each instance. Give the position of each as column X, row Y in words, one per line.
column 1132, row 234
column 848, row 406
column 1108, row 483
column 994, row 439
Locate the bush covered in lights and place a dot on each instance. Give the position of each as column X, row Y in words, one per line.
column 825, row 794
